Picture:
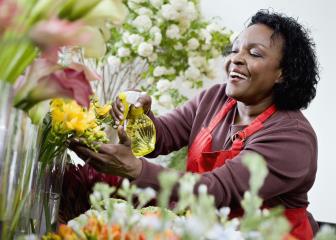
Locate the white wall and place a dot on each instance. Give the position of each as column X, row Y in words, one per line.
column 319, row 17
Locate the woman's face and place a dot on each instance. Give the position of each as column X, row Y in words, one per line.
column 253, row 66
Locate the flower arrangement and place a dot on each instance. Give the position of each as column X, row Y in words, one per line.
column 193, row 217
column 66, row 121
column 162, row 45
column 69, row 120
column 28, row 26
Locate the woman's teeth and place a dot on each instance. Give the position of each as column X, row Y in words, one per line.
column 235, row 74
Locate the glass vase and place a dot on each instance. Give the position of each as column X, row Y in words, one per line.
column 5, row 109
column 48, row 189
column 16, row 174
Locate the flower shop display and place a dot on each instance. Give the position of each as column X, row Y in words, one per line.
column 193, row 217
column 31, row 29
column 162, row 46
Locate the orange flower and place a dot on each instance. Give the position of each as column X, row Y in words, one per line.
column 67, row 233
column 96, row 229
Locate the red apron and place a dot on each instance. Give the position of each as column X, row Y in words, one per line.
column 202, row 159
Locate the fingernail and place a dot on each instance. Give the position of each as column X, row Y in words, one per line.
column 137, row 104
column 121, row 117
column 114, row 126
column 122, row 108
column 117, row 122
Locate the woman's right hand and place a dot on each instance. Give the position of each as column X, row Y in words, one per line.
column 117, row 110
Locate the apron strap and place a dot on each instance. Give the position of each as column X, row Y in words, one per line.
column 256, row 125
column 222, row 113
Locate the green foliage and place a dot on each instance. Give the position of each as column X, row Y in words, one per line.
column 178, row 159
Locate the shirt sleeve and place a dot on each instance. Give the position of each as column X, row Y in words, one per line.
column 290, row 153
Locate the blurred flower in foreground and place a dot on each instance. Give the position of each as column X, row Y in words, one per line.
column 50, row 35
column 8, row 10
column 45, row 80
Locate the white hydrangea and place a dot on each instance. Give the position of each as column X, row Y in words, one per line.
column 145, row 49
column 206, row 36
column 163, row 85
column 153, row 57
column 159, row 71
column 154, row 29
column 165, row 100
column 142, row 22
column 179, row 5
column 156, row 3
column 137, row 1
column 213, row 27
column 190, row 11
column 193, row 44
column 144, row 11
column 193, row 73
column 173, row 32
column 135, row 39
column 168, row 12
column 197, row 61
column 125, row 37
column 171, row 71
column 157, row 38
column 123, row 52
column 132, row 5
column 187, row 84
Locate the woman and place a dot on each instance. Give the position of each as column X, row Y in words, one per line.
column 272, row 74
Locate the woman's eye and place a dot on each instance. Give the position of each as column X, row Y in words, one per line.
column 255, row 54
column 233, row 51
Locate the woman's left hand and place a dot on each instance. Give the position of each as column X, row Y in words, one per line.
column 115, row 159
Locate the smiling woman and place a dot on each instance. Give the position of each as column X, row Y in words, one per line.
column 254, row 65
column 272, row 71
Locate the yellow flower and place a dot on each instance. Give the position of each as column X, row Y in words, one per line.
column 51, row 236
column 103, row 110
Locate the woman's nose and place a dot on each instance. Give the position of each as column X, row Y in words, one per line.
column 237, row 58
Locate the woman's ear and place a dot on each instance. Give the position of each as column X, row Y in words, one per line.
column 279, row 77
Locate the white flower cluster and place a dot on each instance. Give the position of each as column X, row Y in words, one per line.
column 174, row 40
column 191, row 217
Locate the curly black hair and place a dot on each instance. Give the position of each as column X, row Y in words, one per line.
column 300, row 70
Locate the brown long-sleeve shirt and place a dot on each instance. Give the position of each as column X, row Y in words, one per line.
column 287, row 142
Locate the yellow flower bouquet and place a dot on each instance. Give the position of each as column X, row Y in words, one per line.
column 66, row 120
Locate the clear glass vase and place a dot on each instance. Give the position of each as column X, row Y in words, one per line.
column 5, row 109
column 17, row 174
column 44, row 217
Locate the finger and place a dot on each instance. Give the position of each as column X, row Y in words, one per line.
column 145, row 102
column 79, row 153
column 119, row 104
column 108, row 149
column 82, row 152
column 116, row 114
column 123, row 138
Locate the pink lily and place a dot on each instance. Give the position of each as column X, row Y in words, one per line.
column 8, row 11
column 45, row 80
column 52, row 34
